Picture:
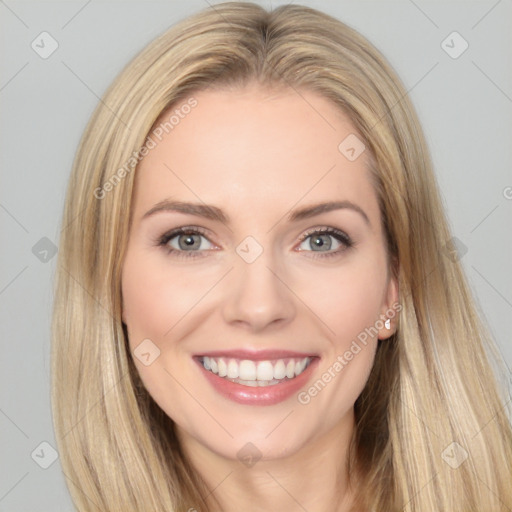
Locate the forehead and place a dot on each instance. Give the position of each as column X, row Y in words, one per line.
column 256, row 150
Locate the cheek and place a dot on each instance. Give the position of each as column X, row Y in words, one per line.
column 155, row 299
column 143, row 301
column 349, row 300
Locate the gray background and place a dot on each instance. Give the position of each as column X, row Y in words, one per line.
column 464, row 103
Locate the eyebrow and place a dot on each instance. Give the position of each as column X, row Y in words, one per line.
column 214, row 213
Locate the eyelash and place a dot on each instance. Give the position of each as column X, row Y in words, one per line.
column 193, row 230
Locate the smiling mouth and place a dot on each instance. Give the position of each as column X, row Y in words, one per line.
column 256, row 373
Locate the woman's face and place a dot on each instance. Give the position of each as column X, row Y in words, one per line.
column 261, row 282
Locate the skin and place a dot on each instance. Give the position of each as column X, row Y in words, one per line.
column 258, row 154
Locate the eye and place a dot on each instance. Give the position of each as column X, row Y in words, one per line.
column 186, row 242
column 320, row 240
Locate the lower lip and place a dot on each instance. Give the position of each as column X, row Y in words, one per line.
column 266, row 395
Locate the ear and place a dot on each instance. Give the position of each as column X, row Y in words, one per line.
column 390, row 310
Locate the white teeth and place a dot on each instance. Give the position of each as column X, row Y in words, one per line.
column 256, row 373
column 290, row 369
column 279, row 370
column 300, row 365
column 223, row 368
column 265, row 370
column 251, row 383
column 247, row 370
column 232, row 369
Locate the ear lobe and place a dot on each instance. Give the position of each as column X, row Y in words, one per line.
column 389, row 315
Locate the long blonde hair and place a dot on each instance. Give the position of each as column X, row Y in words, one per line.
column 432, row 431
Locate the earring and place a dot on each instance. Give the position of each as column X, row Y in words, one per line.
column 387, row 323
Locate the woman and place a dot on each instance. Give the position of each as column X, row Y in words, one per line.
column 203, row 357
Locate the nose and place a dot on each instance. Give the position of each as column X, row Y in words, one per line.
column 257, row 296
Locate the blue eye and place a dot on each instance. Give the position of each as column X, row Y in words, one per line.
column 186, row 242
column 321, row 238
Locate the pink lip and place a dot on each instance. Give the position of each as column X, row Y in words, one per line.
column 256, row 355
column 268, row 395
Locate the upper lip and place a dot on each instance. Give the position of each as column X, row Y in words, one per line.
column 256, row 355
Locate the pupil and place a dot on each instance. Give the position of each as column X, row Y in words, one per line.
column 320, row 240
column 188, row 241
